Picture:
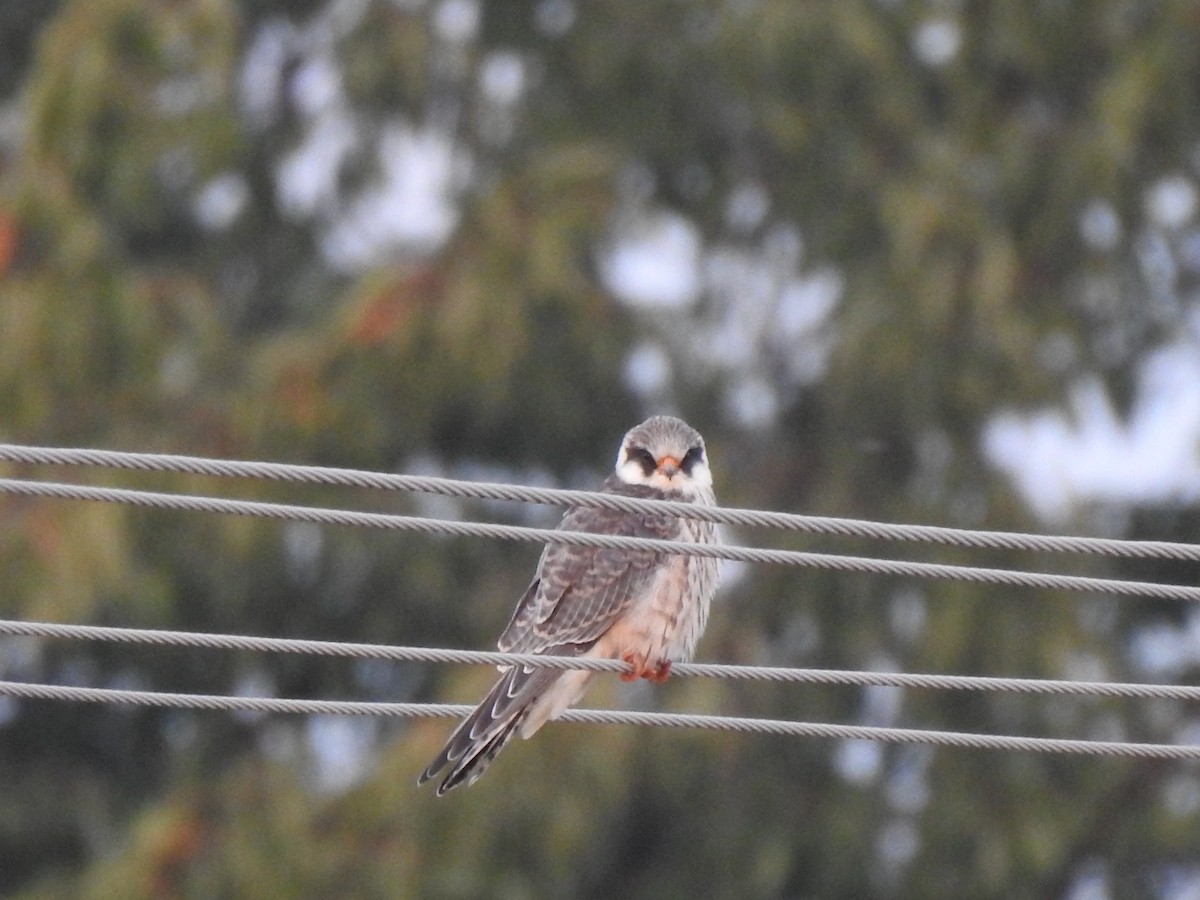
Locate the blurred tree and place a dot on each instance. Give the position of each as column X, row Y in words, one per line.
column 479, row 238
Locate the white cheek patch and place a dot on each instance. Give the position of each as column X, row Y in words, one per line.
column 631, row 472
column 701, row 474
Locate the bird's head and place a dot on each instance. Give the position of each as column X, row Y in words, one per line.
column 665, row 453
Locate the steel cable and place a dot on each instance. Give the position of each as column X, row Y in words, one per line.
column 495, row 658
column 1009, row 743
column 554, row 496
column 586, row 539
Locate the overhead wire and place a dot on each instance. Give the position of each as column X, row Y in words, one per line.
column 158, row 462
column 429, row 525
column 786, row 674
column 497, row 491
column 610, row 717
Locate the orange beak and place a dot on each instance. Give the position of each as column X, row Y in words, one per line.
column 668, row 466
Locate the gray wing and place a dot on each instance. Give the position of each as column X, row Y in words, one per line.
column 579, row 592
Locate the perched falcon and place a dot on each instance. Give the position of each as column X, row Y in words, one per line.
column 642, row 606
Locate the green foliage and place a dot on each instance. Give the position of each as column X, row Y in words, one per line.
column 163, row 288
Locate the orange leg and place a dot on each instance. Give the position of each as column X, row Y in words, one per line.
column 637, row 664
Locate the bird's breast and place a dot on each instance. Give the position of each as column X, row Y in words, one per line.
column 666, row 621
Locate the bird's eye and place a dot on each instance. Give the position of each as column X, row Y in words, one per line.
column 643, row 458
column 693, row 456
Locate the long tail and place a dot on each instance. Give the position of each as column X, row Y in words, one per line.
column 485, row 731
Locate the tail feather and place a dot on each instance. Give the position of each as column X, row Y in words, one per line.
column 508, row 706
column 484, row 732
column 479, row 756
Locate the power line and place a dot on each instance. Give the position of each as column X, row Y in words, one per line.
column 686, row 670
column 608, row 717
column 586, row 539
column 560, row 497
column 495, row 491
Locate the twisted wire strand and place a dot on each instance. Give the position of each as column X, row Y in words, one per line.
column 497, row 491
column 561, row 497
column 687, row 670
column 609, row 717
column 586, row 539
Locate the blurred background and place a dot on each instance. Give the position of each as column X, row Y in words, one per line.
column 929, row 261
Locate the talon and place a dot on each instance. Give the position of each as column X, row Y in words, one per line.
column 660, row 673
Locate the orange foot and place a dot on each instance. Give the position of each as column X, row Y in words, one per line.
column 659, row 672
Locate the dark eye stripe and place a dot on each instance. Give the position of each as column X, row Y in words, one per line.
column 643, row 458
column 693, row 456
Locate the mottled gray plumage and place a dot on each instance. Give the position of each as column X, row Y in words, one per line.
column 643, row 606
